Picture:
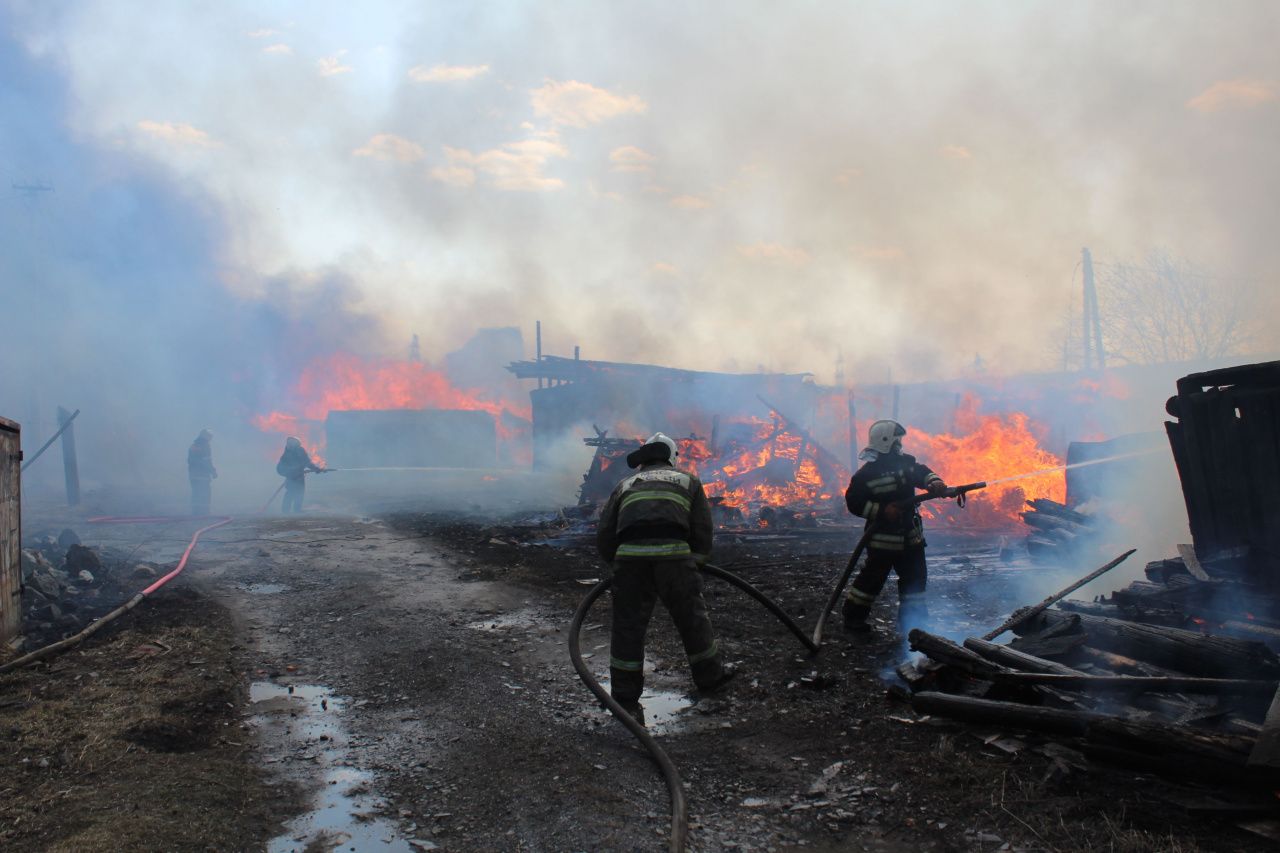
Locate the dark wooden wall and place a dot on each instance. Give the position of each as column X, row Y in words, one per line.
column 1226, row 443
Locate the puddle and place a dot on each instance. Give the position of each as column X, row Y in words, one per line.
column 306, row 719
column 663, row 711
column 265, row 588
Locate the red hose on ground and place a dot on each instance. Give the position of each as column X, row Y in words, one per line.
column 92, row 627
column 182, row 563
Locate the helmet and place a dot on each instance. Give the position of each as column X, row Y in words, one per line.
column 659, row 438
column 205, row 435
column 658, row 448
column 885, row 436
column 293, row 441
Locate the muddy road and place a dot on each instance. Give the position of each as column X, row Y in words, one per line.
column 402, row 683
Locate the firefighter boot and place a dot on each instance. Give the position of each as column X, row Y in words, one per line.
column 855, row 618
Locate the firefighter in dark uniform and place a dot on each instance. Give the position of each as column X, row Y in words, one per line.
column 201, row 473
column 656, row 530
column 294, row 464
column 887, row 478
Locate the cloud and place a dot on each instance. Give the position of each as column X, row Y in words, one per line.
column 391, row 148
column 664, row 268
column 177, row 133
column 281, row 49
column 515, row 166
column 578, row 104
column 628, row 158
column 446, row 73
column 1232, row 93
column 880, row 253
column 774, row 252
column 955, row 152
column 331, row 65
column 262, row 33
column 689, row 202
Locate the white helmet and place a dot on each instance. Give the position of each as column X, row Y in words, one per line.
column 885, row 436
column 660, row 438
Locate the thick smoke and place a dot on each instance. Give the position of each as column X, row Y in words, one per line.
column 237, row 189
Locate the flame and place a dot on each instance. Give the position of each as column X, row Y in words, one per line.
column 342, row 381
column 307, row 432
column 989, row 447
column 760, row 463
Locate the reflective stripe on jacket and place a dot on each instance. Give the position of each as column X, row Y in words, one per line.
column 658, row 513
column 889, row 478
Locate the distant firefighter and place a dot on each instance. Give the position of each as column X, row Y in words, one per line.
column 881, row 492
column 294, row 464
column 656, row 530
column 201, row 473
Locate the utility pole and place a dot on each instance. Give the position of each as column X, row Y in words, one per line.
column 70, row 464
column 1092, row 317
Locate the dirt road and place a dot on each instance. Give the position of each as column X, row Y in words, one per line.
column 407, row 686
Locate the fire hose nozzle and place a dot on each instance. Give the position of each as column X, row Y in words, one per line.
column 959, row 492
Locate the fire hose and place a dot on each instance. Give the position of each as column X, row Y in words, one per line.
column 957, row 492
column 96, row 625
column 679, row 809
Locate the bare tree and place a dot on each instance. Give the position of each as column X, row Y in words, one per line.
column 1166, row 310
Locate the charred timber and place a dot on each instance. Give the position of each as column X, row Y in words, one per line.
column 1137, row 683
column 1171, row 748
column 993, row 712
column 1186, row 651
column 1060, row 511
column 1015, row 659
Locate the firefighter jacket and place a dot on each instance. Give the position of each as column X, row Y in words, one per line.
column 658, row 513
column 200, row 461
column 294, row 463
column 889, row 478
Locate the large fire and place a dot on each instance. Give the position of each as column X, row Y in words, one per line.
column 989, row 447
column 342, row 381
column 760, row 463
column 757, row 463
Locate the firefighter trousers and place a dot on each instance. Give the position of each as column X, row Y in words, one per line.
column 295, row 488
column 912, row 577
column 637, row 585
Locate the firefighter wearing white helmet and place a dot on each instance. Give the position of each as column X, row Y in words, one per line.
column 656, row 529
column 881, row 492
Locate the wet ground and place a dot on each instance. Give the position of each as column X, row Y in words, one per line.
column 407, row 679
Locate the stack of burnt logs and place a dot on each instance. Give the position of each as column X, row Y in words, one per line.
column 1058, row 532
column 1176, row 674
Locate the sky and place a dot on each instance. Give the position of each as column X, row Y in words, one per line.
column 238, row 186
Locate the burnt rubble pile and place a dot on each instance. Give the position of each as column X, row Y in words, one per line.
column 66, row 585
column 1058, row 531
column 1175, row 674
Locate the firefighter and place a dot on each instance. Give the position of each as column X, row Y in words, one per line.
column 878, row 492
column 201, row 473
column 656, row 530
column 294, row 464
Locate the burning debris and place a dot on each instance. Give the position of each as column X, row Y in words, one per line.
column 762, row 473
column 1179, row 672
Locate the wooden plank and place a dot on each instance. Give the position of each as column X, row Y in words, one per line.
column 10, row 530
column 1186, row 651
column 1139, row 683
column 1015, row 659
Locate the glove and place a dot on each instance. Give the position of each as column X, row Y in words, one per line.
column 938, row 488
